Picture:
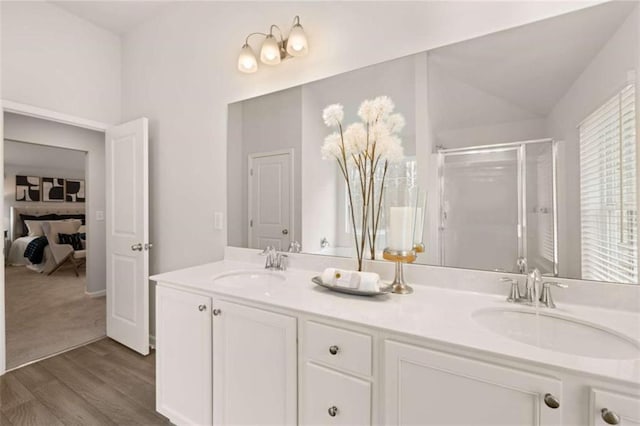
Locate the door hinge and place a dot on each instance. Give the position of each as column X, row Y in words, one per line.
column 250, row 172
column 251, row 223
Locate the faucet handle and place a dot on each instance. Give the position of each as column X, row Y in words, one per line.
column 267, row 250
column 514, row 293
column 545, row 296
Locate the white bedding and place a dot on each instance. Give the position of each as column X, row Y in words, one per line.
column 16, row 256
column 16, row 253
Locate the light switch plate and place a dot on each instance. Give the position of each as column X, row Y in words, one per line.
column 99, row 215
column 217, row 220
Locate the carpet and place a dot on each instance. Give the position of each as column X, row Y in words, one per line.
column 48, row 314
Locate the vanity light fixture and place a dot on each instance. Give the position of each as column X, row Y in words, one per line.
column 273, row 51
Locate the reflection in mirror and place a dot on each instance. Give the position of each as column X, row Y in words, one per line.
column 524, row 139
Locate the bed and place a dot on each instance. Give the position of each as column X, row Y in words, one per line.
column 20, row 241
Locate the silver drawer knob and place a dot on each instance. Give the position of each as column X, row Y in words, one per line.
column 202, row 308
column 333, row 411
column 217, row 312
column 610, row 417
column 551, row 401
column 333, row 350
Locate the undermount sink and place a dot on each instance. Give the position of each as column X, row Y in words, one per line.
column 245, row 277
column 558, row 333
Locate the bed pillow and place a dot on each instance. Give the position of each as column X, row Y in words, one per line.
column 80, row 217
column 74, row 240
column 34, row 227
column 25, row 217
column 52, row 229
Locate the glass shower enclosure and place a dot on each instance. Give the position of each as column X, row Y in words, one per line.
column 498, row 207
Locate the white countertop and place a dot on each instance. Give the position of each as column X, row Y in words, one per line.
column 433, row 313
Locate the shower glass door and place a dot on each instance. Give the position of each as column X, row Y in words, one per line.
column 480, row 208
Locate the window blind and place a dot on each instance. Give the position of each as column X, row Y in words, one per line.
column 608, row 205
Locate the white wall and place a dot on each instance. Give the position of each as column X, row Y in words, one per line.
column 55, row 60
column 603, row 78
column 32, row 130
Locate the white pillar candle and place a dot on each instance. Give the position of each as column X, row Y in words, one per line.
column 400, row 228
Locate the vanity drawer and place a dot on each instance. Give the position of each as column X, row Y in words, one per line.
column 338, row 347
column 333, row 398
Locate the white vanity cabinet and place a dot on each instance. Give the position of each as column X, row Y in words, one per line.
column 426, row 387
column 254, row 366
column 336, row 376
column 183, row 356
column 223, row 363
column 610, row 408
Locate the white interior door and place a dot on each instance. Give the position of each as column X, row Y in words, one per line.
column 270, row 200
column 127, row 224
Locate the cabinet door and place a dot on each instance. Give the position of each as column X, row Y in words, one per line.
column 624, row 408
column 254, row 366
column 424, row 387
column 332, row 398
column 183, row 356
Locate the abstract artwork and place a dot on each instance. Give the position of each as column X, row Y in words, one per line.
column 52, row 189
column 74, row 190
column 27, row 188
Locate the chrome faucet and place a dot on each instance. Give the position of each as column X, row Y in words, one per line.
column 532, row 285
column 534, row 279
column 275, row 261
column 294, row 247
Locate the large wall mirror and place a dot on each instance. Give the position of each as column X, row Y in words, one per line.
column 525, row 140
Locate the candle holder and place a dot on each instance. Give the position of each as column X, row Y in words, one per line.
column 400, row 257
column 404, row 217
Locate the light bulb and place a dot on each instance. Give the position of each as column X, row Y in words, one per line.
column 270, row 51
column 297, row 42
column 247, row 61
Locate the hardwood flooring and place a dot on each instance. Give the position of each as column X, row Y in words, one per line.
column 103, row 383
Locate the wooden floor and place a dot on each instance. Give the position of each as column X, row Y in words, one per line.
column 103, row 383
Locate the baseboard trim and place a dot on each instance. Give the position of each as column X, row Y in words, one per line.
column 152, row 341
column 94, row 294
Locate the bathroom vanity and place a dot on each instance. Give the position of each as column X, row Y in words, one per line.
column 237, row 344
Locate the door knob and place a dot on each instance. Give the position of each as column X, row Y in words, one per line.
column 333, row 350
column 148, row 246
column 136, row 247
column 285, row 231
column 610, row 417
column 551, row 401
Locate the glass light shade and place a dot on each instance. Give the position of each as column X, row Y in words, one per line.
column 270, row 51
column 247, row 61
column 400, row 214
column 297, row 42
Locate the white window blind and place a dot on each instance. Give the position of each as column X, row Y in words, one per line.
column 608, row 205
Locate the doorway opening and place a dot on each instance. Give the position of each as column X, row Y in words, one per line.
column 54, row 300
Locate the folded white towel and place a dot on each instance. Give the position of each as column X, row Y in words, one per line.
column 369, row 281
column 366, row 281
column 329, row 276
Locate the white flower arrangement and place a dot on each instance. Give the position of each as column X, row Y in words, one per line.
column 368, row 147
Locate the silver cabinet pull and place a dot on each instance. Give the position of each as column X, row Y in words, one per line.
column 202, row 308
column 285, row 231
column 136, row 247
column 148, row 246
column 610, row 417
column 333, row 411
column 217, row 312
column 333, row 350
column 551, row 401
